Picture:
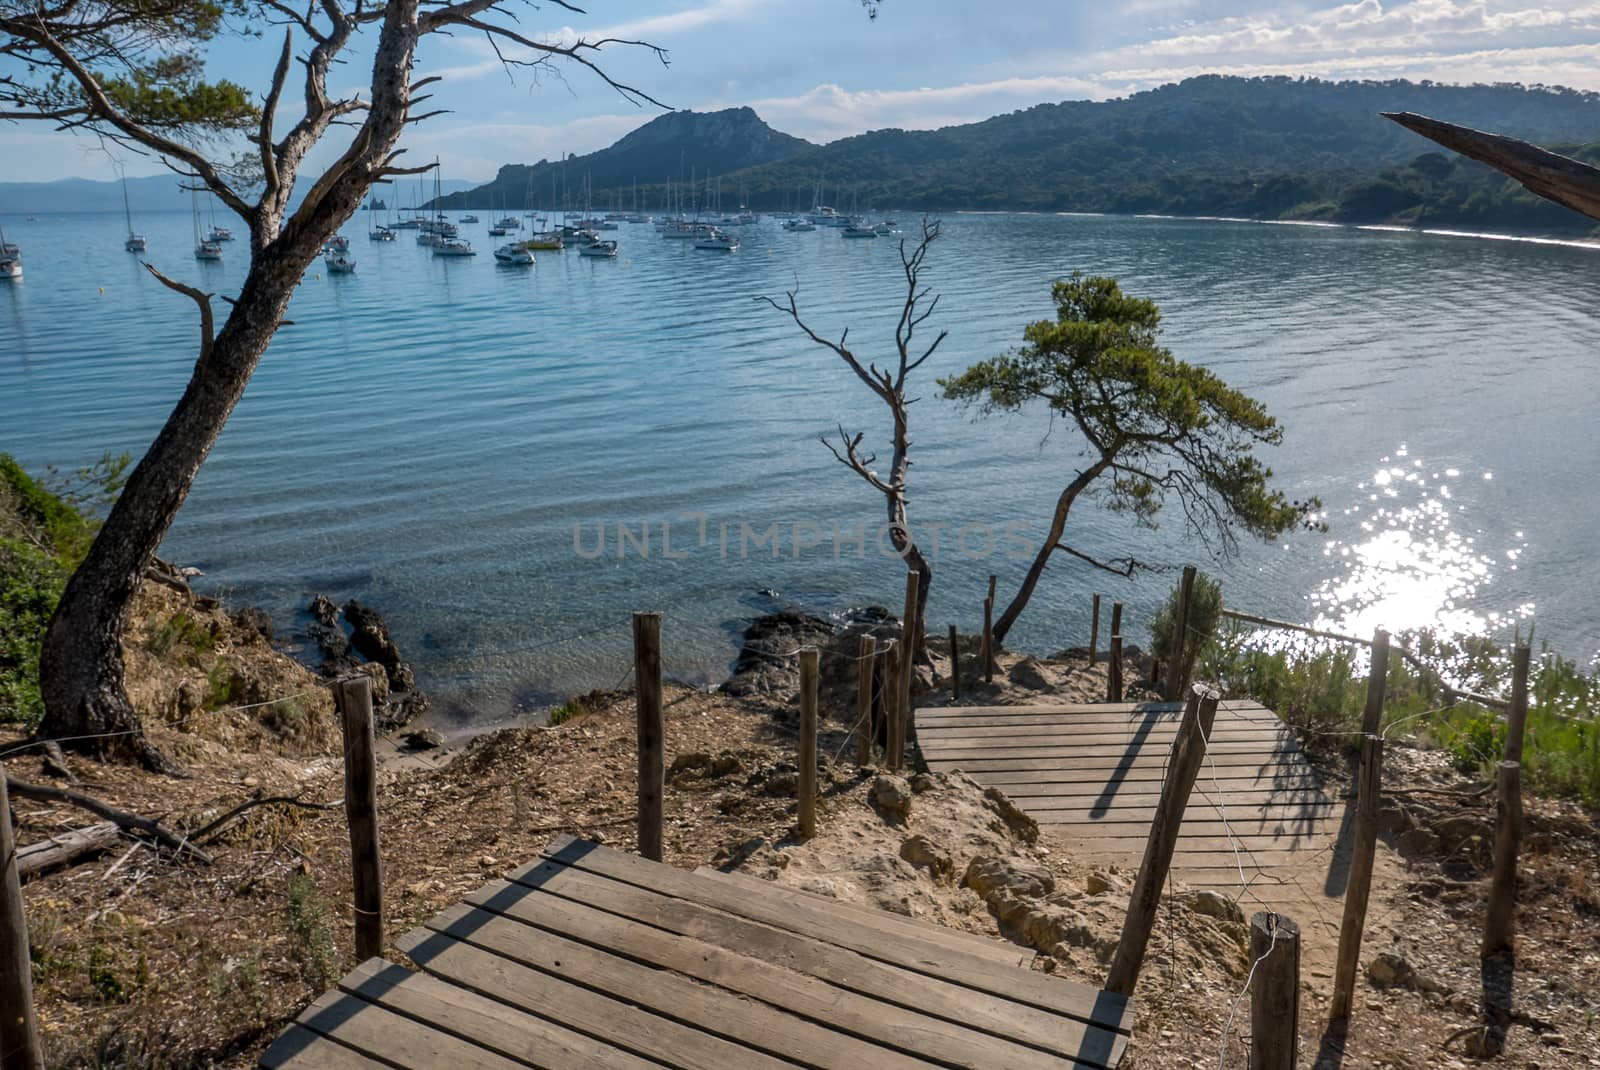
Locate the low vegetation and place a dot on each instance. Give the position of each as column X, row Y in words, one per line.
column 1320, row 688
column 46, row 525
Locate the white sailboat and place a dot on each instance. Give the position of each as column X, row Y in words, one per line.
column 204, row 248
column 718, row 240
column 10, row 259
column 338, row 263
column 135, row 243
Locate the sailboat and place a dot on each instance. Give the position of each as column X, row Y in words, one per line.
column 10, row 259
column 204, row 248
column 218, row 234
column 135, row 242
column 376, row 231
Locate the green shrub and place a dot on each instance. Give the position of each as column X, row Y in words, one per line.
column 1203, row 614
column 311, row 933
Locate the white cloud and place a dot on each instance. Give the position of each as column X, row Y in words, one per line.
column 830, row 111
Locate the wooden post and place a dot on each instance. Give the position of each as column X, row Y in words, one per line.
column 354, row 698
column 902, row 706
column 1274, row 992
column 1517, row 715
column 1180, row 637
column 955, row 666
column 1188, row 752
column 1094, row 631
column 19, row 1029
column 1499, row 929
column 808, row 742
column 652, row 731
column 1377, row 683
column 866, row 658
column 1359, row 887
column 1116, row 618
column 1114, row 670
column 986, row 650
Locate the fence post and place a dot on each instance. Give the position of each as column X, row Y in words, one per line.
column 19, row 1029
column 1188, row 751
column 1180, row 637
column 1499, row 929
column 1377, row 683
column 1274, row 992
column 1517, row 715
column 1114, row 670
column 1359, row 887
column 902, row 705
column 866, row 658
column 1116, row 618
column 354, row 696
column 986, row 650
column 652, row 732
column 1094, row 632
column 955, row 666
column 808, row 742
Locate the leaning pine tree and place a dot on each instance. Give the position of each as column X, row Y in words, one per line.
column 1152, row 429
column 134, row 75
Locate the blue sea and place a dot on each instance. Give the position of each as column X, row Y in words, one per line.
column 508, row 461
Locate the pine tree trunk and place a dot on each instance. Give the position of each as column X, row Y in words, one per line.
column 81, row 665
column 1058, row 527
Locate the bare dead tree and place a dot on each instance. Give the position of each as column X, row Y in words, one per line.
column 889, row 385
column 134, row 75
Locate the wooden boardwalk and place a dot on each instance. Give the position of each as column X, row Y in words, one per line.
column 1094, row 772
column 588, row 957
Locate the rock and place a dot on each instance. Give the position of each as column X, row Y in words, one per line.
column 840, row 675
column 921, row 851
column 892, row 794
column 1098, row 883
column 726, row 764
column 775, row 779
column 422, row 739
column 251, row 624
column 688, row 762
column 1021, row 825
column 1029, row 674
column 1215, row 905
column 768, row 662
column 1390, row 968
column 921, row 782
column 328, row 635
column 1048, row 927
column 988, row 875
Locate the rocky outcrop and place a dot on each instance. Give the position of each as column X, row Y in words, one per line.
column 368, row 647
column 769, row 661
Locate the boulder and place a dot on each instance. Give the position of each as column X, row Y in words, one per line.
column 768, row 662
column 1099, row 883
column 989, row 875
column 1047, row 927
column 892, row 794
column 921, row 851
column 1215, row 905
column 1021, row 825
column 422, row 739
column 252, row 624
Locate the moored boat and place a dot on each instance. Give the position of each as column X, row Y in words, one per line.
column 10, row 259
column 717, row 240
column 338, row 263
column 512, row 253
column 544, row 242
column 856, row 231
column 598, row 248
column 453, row 247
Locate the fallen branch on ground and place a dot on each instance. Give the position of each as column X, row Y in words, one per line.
column 273, row 800
column 65, row 848
column 158, row 832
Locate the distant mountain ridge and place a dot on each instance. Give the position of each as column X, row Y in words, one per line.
column 709, row 143
column 1269, row 147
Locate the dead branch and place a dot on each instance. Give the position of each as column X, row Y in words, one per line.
column 65, row 849
column 207, row 326
column 123, row 820
column 1570, row 183
column 1117, row 566
column 211, row 830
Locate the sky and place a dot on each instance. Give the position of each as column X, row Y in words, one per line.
column 820, row 69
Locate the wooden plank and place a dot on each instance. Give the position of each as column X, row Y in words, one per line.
column 727, row 1013
column 1002, row 952
column 1226, row 708
column 1093, row 797
column 968, row 1009
column 1243, row 820
column 953, row 963
column 1078, row 734
column 614, row 1021
column 298, row 1048
column 752, row 970
column 481, row 1021
column 1119, row 750
column 1151, row 761
column 1295, row 774
column 394, row 1039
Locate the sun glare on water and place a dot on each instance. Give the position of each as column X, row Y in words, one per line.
column 1417, row 561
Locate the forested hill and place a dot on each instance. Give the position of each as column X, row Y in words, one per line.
column 1261, row 147
column 1212, row 145
column 709, row 143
